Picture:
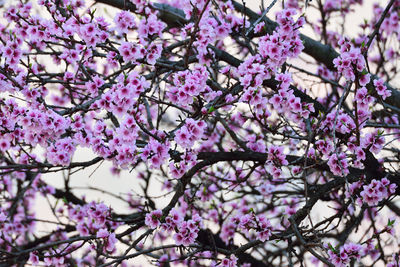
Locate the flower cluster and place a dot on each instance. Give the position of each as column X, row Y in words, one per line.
column 287, row 103
column 325, row 147
column 187, row 85
column 210, row 29
column 14, row 225
column 172, row 221
column 156, row 152
column 91, row 217
column 94, row 86
column 344, row 123
column 189, row 159
column 274, row 50
column 40, row 127
column 350, row 60
column 124, row 22
column 61, row 152
column 251, row 225
column 276, row 155
column 376, row 191
column 185, row 231
column 205, row 193
column 390, row 24
column 363, row 100
column 123, row 95
column 153, row 53
column 11, row 52
column 9, row 113
column 252, row 72
column 342, row 257
column 381, row 89
column 338, row 164
column 210, row 32
column 189, row 133
column 153, row 219
column 150, row 26
column 92, row 32
column 109, row 238
column 276, row 159
column 130, row 52
column 266, row 188
column 284, row 43
column 374, row 141
column 256, row 143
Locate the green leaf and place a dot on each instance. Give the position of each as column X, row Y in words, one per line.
column 211, row 109
column 331, row 247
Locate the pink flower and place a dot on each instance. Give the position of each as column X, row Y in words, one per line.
column 124, row 21
column 374, row 140
column 82, row 229
column 189, row 133
column 60, row 153
column 229, row 262
column 258, row 28
column 153, row 219
column 187, row 231
column 338, row 165
column 150, row 26
column 34, row 258
column 364, row 79
column 102, row 233
column 4, row 145
column 381, row 89
column 111, row 241
column 376, row 191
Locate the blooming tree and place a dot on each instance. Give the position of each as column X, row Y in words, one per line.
column 249, row 143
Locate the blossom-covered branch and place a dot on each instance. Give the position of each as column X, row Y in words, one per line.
column 246, row 142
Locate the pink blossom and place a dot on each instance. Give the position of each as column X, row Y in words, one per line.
column 102, row 233
column 124, row 21
column 229, row 262
column 34, row 258
column 153, row 219
column 381, row 89
column 111, row 241
column 376, row 191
